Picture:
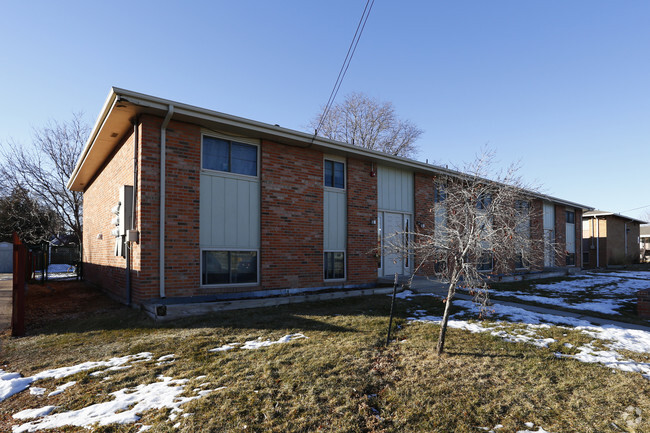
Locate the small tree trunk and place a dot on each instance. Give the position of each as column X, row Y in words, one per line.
column 445, row 318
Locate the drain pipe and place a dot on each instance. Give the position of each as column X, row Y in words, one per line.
column 597, row 242
column 163, row 140
column 134, row 122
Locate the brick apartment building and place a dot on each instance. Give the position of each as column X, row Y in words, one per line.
column 246, row 209
column 609, row 239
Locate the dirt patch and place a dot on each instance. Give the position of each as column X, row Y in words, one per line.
column 57, row 301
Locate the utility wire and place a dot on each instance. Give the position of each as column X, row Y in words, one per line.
column 346, row 63
column 636, row 208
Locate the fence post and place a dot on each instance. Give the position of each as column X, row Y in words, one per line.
column 18, row 312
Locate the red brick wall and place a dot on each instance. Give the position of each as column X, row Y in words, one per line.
column 362, row 235
column 182, row 169
column 291, row 217
column 101, row 266
column 424, row 186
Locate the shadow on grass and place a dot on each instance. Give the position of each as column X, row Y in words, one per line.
column 79, row 308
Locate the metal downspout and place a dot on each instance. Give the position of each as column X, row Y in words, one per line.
column 163, row 141
column 597, row 242
column 133, row 203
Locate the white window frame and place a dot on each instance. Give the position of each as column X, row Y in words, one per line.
column 345, row 265
column 242, row 140
column 247, row 250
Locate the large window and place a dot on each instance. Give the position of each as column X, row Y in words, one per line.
column 229, row 156
column 334, row 174
column 334, row 265
column 229, row 267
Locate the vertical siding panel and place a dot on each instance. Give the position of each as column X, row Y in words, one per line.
column 254, row 217
column 205, row 211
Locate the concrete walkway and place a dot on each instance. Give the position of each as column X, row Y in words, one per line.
column 440, row 289
column 6, row 300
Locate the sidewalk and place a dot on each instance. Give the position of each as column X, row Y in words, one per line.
column 6, row 299
column 440, row 289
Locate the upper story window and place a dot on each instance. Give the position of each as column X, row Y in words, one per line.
column 334, row 174
column 439, row 193
column 570, row 217
column 229, row 156
column 483, row 201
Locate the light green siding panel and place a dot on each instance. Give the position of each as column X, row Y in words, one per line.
column 395, row 189
column 230, row 212
column 334, row 226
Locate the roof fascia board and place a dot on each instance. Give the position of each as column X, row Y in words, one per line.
column 111, row 100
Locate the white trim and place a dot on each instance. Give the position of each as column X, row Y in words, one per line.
column 345, row 265
column 247, row 250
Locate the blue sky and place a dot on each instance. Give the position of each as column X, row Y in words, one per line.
column 561, row 86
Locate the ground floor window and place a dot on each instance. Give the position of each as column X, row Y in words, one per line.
column 519, row 262
column 570, row 259
column 484, row 262
column 229, row 267
column 585, row 257
column 334, row 265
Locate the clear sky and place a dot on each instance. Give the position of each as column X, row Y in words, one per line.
column 561, row 86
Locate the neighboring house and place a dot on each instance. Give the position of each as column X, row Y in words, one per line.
column 644, row 240
column 251, row 209
column 609, row 239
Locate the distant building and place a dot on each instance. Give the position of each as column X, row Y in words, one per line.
column 645, row 243
column 609, row 239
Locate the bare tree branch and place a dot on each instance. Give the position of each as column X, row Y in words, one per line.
column 477, row 227
column 44, row 168
column 369, row 123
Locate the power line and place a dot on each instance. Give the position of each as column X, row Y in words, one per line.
column 346, row 63
column 636, row 208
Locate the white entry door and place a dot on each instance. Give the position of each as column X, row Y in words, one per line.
column 394, row 261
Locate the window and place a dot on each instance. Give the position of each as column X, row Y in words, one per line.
column 334, row 174
column 439, row 194
column 483, row 201
column 484, row 262
column 570, row 259
column 519, row 261
column 585, row 257
column 229, row 156
column 334, row 265
column 229, row 267
column 570, row 217
column 522, row 206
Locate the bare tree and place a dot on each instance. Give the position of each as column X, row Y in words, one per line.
column 477, row 226
column 44, row 168
column 33, row 222
column 370, row 123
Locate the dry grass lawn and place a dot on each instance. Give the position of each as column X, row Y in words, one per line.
column 340, row 379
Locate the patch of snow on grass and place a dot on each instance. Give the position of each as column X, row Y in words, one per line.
column 123, row 409
column 34, row 390
column 258, row 344
column 34, row 413
column 225, row 347
column 614, row 338
column 13, row 383
column 59, row 389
